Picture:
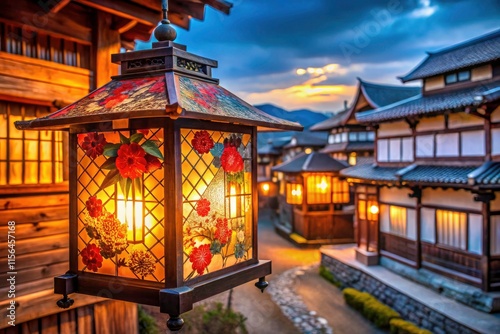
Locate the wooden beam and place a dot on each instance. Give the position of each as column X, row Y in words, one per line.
column 59, row 5
column 107, row 42
column 124, row 9
column 123, row 25
column 221, row 5
column 196, row 10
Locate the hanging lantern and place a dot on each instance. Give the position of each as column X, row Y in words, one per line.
column 162, row 183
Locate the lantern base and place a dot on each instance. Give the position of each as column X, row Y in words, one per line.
column 175, row 323
column 65, row 284
column 176, row 301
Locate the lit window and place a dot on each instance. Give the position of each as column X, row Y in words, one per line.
column 352, row 158
column 451, row 228
column 340, row 191
column 293, row 193
column 28, row 157
column 397, row 220
column 319, row 189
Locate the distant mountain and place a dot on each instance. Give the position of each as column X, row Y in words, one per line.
column 305, row 117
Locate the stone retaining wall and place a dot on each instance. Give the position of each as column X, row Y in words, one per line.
column 409, row 308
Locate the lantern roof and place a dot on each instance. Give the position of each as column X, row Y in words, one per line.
column 313, row 162
column 166, row 81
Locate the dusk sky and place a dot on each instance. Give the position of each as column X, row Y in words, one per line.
column 308, row 53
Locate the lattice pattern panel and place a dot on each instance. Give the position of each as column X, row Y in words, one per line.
column 217, row 194
column 120, row 232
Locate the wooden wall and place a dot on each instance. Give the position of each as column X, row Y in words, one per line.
column 110, row 317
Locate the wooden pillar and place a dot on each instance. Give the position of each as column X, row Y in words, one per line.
column 106, row 41
column 485, row 258
column 417, row 194
column 487, row 137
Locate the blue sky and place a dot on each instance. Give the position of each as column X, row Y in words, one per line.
column 308, row 53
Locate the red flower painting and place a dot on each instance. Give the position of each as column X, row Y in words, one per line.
column 223, row 232
column 93, row 144
column 91, row 257
column 202, row 142
column 94, row 207
column 203, row 207
column 231, row 160
column 131, row 162
column 200, row 258
column 152, row 163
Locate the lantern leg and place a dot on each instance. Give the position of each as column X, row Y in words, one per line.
column 175, row 323
column 174, row 302
column 65, row 284
column 262, row 284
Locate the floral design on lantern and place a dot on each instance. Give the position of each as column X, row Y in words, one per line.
column 110, row 233
column 91, row 257
column 202, row 142
column 131, row 161
column 200, row 257
column 93, row 144
column 203, row 207
column 94, row 207
column 141, row 263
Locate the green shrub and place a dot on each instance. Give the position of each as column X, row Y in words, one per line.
column 400, row 326
column 356, row 299
column 326, row 274
column 380, row 314
column 214, row 319
column 147, row 324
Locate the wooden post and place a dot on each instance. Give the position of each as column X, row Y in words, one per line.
column 485, row 258
column 106, row 42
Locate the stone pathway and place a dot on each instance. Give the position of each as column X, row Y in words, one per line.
column 283, row 293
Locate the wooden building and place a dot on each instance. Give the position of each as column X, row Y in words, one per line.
column 353, row 142
column 303, row 142
column 432, row 198
column 53, row 53
column 314, row 201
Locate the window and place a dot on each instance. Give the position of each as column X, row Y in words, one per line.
column 352, row 158
column 397, row 220
column 362, row 136
column 340, row 191
column 395, row 149
column 451, row 228
column 457, row 77
column 293, row 193
column 371, row 136
column 495, row 235
column 353, row 136
column 319, row 189
column 344, row 137
column 28, row 157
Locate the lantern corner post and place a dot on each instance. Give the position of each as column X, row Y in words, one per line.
column 174, row 302
column 64, row 285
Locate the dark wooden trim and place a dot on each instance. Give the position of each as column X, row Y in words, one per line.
column 485, row 258
column 448, row 208
column 487, row 138
column 398, row 258
column 255, row 197
column 406, row 206
column 174, row 253
column 73, row 202
column 125, row 9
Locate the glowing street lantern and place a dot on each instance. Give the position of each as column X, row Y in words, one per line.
column 163, row 189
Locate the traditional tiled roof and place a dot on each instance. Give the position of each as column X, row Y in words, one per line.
column 314, row 162
column 371, row 172
column 486, row 175
column 352, row 146
column 377, row 95
column 434, row 103
column 435, row 174
column 268, row 150
column 480, row 50
column 308, row 139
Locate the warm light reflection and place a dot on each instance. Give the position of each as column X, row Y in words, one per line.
column 265, row 188
column 131, row 213
column 373, row 209
column 308, row 150
column 322, row 186
column 293, row 193
column 233, row 212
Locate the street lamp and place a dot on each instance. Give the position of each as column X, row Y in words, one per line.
column 163, row 198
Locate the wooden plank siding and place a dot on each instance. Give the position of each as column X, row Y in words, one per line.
column 42, row 240
column 92, row 316
column 462, row 266
column 399, row 248
column 324, row 225
column 28, row 78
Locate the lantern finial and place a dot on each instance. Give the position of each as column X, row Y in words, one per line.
column 165, row 32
